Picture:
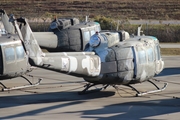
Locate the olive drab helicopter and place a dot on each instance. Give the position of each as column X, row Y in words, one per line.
column 117, row 58
column 13, row 59
column 19, row 52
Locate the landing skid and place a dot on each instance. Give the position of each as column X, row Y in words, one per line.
column 21, row 87
column 148, row 92
column 89, row 85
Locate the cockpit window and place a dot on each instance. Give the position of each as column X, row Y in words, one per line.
column 92, row 32
column 20, row 52
column 150, row 55
column 99, row 28
column 142, row 57
column 9, row 54
column 86, row 36
column 157, row 52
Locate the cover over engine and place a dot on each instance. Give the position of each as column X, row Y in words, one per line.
column 63, row 23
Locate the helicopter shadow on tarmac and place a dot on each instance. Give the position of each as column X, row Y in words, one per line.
column 134, row 110
column 169, row 71
column 63, row 99
column 127, row 108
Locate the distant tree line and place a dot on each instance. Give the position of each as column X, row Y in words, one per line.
column 164, row 32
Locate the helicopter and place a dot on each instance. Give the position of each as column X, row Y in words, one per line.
column 67, row 34
column 19, row 57
column 126, row 61
column 136, row 59
column 13, row 59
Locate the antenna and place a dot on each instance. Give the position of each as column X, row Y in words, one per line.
column 87, row 17
column 117, row 28
column 139, row 30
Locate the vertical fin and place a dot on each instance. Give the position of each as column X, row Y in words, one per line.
column 31, row 45
column 32, row 48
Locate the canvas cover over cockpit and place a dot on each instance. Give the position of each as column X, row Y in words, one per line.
column 123, row 62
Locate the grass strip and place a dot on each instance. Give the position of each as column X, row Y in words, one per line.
column 170, row 51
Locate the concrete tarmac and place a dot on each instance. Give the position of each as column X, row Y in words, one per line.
column 56, row 98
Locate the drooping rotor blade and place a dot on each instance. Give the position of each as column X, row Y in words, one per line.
column 5, row 20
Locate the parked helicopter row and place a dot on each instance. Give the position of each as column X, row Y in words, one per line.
column 108, row 57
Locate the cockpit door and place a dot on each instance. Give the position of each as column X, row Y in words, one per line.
column 159, row 62
column 144, row 66
column 140, row 62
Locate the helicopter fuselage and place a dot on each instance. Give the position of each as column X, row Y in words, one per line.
column 131, row 61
